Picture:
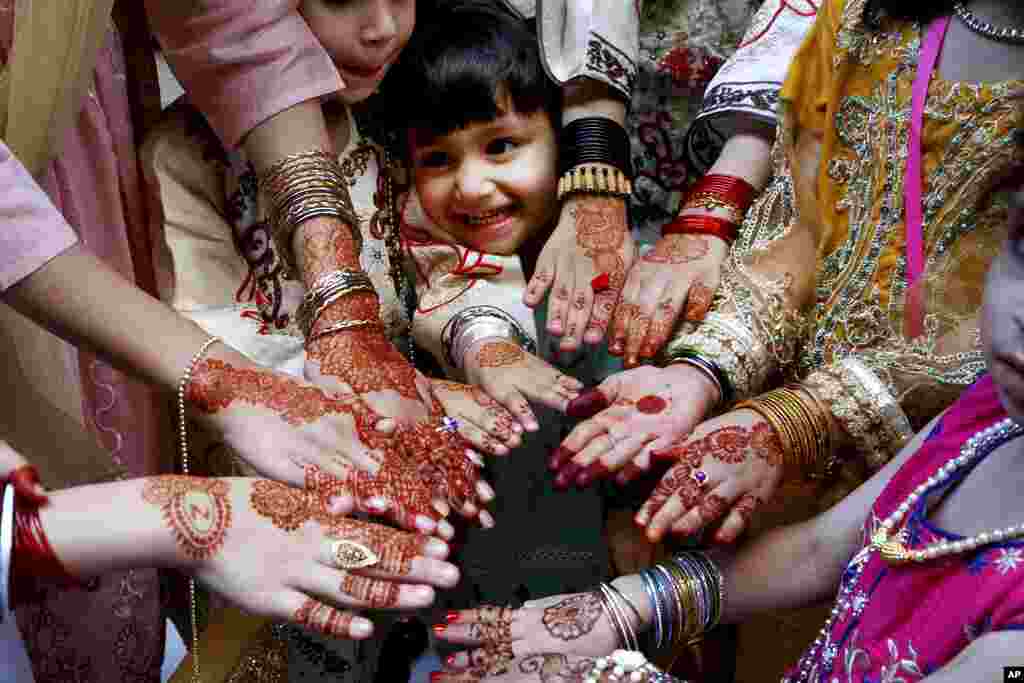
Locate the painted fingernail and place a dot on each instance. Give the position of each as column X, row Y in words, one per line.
column 436, row 676
column 449, row 661
column 567, row 475
column 590, row 473
column 25, row 480
column 439, row 628
column 360, row 628
column 587, row 404
column 559, row 458
column 451, row 617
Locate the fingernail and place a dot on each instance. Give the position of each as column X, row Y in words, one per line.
column 425, row 524
column 587, row 404
column 486, row 521
column 377, row 505
column 449, row 661
column 590, row 473
column 436, row 548
column 567, row 475
column 640, row 518
column 445, row 530
column 439, row 628
column 451, row 617
column 25, row 480
column 559, row 458
column 436, row 676
column 517, row 428
column 632, row 362
column 442, row 508
column 616, row 349
column 475, row 458
column 360, row 628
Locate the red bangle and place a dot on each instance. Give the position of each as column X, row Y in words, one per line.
column 729, row 189
column 33, row 556
column 702, row 225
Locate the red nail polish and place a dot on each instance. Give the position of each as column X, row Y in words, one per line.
column 439, row 628
column 587, row 404
column 435, row 676
column 451, row 617
column 449, row 661
column 559, row 458
column 24, row 479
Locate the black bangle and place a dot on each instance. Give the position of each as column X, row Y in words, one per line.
column 595, row 140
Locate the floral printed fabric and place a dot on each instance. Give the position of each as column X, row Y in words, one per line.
column 879, row 634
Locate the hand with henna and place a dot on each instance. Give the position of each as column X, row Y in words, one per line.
column 363, row 363
column 630, row 415
column 513, row 377
column 574, row 624
column 591, row 248
column 543, row 667
column 674, row 281
column 283, row 552
column 482, row 422
column 720, row 474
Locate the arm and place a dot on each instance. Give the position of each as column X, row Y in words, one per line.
column 983, row 660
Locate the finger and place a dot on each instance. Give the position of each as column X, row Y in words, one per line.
column 558, row 301
column 484, row 492
column 314, row 615
column 517, row 405
column 25, row 480
column 621, row 453
column 572, row 469
column 500, row 423
column 624, row 314
column 738, row 519
column 578, row 314
column 462, row 627
column 636, row 334
column 698, row 301
column 557, row 391
column 475, row 435
column 355, row 591
column 600, row 316
column 709, row 510
column 588, row 404
column 540, row 283
column 662, row 324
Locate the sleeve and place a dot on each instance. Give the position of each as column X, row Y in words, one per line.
column 597, row 39
column 33, row 231
column 242, row 62
column 747, row 86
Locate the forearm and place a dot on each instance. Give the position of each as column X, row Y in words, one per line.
column 747, row 155
column 80, row 299
column 300, row 128
column 585, row 97
column 108, row 527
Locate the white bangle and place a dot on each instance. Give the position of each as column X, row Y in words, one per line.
column 6, row 548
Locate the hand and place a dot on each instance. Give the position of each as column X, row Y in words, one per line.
column 545, row 667
column 571, row 624
column 272, row 549
column 722, row 471
column 363, row 362
column 482, row 421
column 285, row 428
column 512, row 377
column 634, row 412
column 681, row 270
column 591, row 239
column 22, row 476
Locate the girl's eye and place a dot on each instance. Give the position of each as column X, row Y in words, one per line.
column 501, row 146
column 435, row 159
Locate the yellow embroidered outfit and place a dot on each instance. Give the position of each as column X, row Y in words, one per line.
column 815, row 291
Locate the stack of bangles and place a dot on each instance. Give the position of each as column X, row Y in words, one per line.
column 686, row 596
column 25, row 552
column 476, row 323
column 802, row 424
column 709, row 370
column 329, row 288
column 595, row 159
column 714, row 192
column 304, row 186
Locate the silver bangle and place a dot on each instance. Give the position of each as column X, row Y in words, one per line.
column 6, row 548
column 327, row 289
column 707, row 372
column 455, row 338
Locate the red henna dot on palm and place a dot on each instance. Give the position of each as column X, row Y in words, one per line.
column 651, row 405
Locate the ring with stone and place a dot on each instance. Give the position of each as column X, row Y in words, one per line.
column 449, row 425
column 348, row 555
column 699, row 476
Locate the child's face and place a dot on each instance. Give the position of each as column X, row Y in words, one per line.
column 490, row 185
column 363, row 38
column 1002, row 325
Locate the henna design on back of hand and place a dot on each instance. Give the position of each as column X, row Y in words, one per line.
column 678, row 249
column 497, row 354
column 573, row 617
column 318, row 617
column 197, row 510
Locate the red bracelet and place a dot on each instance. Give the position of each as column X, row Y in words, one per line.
column 702, row 225
column 731, row 190
column 33, row 556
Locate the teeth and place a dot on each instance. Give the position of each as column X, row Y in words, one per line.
column 476, row 219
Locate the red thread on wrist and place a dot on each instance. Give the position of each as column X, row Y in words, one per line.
column 702, row 225
column 33, row 556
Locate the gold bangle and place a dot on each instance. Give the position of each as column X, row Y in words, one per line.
column 599, row 180
column 802, row 426
column 340, row 327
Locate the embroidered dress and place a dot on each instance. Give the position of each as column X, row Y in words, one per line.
column 217, row 266
column 815, row 289
column 881, row 635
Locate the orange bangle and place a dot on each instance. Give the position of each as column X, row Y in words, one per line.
column 702, row 225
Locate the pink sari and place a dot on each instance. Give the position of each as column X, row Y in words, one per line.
column 881, row 633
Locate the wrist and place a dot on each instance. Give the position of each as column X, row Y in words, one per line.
column 708, row 394
column 632, row 589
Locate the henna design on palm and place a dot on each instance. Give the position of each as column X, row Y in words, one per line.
column 197, row 510
column 573, row 617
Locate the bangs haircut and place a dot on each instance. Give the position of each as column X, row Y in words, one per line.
column 462, row 62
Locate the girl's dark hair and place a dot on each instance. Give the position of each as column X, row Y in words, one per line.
column 916, row 10
column 460, row 55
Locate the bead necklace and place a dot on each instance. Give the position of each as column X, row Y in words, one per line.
column 979, row 445
column 1004, row 34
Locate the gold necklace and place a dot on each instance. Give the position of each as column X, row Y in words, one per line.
column 887, row 541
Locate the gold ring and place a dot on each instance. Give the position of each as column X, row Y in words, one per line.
column 352, row 555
